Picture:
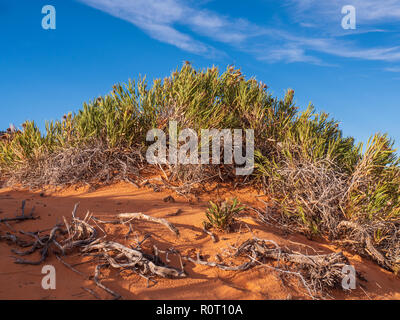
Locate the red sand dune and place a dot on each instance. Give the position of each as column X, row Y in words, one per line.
column 24, row 281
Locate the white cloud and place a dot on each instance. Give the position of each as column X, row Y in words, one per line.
column 163, row 20
column 372, row 11
column 368, row 11
column 153, row 17
column 293, row 48
column 287, row 54
column 172, row 36
column 347, row 49
column 392, row 69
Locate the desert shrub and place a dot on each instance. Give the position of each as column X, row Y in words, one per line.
column 375, row 183
column 307, row 169
column 221, row 215
column 24, row 147
column 373, row 203
column 119, row 120
column 320, row 181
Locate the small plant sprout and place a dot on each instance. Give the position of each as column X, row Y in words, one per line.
column 221, row 215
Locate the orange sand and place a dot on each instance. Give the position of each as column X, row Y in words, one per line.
column 24, row 281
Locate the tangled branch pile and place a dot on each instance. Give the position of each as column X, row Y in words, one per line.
column 317, row 272
column 94, row 165
column 79, row 234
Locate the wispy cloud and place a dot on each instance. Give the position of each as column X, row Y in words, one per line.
column 156, row 18
column 347, row 49
column 164, row 21
column 288, row 54
column 303, row 49
column 368, row 11
column 393, row 69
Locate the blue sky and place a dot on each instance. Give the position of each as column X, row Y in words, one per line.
column 352, row 74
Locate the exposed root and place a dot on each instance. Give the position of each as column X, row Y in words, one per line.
column 22, row 217
column 212, row 235
column 102, row 286
column 318, row 272
column 119, row 256
column 141, row 216
column 80, row 234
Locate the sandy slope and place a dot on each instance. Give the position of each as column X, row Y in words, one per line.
column 24, row 281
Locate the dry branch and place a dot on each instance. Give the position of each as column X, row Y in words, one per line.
column 212, row 235
column 99, row 284
column 364, row 238
column 22, row 217
column 320, row 271
column 139, row 215
column 317, row 272
column 125, row 257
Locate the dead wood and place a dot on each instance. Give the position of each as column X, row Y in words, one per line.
column 15, row 240
column 319, row 272
column 91, row 292
column 22, row 217
column 212, row 235
column 71, row 267
column 364, row 238
column 99, row 284
column 174, row 214
column 169, row 199
column 125, row 257
column 139, row 215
